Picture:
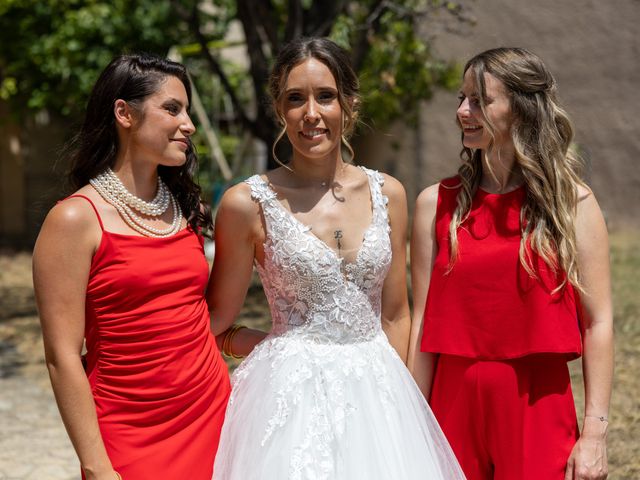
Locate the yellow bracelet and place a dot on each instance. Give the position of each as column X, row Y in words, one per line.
column 118, row 476
column 227, row 343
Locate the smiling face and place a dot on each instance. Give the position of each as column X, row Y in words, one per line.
column 476, row 125
column 161, row 131
column 312, row 111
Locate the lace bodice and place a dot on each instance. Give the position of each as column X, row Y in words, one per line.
column 311, row 291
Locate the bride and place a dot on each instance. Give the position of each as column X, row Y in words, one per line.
column 326, row 394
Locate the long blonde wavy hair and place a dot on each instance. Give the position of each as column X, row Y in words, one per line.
column 542, row 134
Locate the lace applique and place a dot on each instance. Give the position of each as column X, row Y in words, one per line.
column 308, row 287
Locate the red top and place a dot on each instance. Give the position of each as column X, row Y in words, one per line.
column 158, row 380
column 488, row 306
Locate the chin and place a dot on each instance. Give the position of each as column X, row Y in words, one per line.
column 175, row 163
column 475, row 145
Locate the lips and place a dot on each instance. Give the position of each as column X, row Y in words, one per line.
column 314, row 133
column 181, row 141
column 471, row 128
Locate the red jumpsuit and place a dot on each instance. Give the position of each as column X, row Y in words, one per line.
column 501, row 390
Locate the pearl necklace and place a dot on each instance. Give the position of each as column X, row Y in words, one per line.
column 109, row 186
column 154, row 208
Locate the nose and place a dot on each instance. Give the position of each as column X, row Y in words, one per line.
column 312, row 114
column 187, row 127
column 463, row 109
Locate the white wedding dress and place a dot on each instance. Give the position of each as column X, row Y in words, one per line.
column 325, row 396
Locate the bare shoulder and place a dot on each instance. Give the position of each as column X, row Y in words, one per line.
column 429, row 195
column 393, row 188
column 583, row 191
column 590, row 224
column 71, row 227
column 73, row 215
column 237, row 199
column 238, row 211
column 427, row 200
column 587, row 203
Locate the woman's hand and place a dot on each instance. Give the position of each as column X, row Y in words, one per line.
column 588, row 459
column 103, row 475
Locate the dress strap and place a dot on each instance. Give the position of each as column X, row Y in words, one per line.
column 260, row 190
column 378, row 199
column 92, row 206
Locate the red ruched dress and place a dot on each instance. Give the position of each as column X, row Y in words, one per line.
column 158, row 380
column 501, row 390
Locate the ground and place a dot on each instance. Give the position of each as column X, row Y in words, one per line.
column 33, row 443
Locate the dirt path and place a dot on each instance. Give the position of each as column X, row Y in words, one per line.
column 33, row 442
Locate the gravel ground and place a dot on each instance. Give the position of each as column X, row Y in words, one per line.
column 34, row 444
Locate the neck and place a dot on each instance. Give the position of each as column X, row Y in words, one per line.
column 500, row 171
column 140, row 179
column 318, row 171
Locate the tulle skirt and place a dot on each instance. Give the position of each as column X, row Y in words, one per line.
column 302, row 410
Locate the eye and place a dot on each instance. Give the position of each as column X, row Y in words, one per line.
column 326, row 96
column 172, row 108
column 294, row 97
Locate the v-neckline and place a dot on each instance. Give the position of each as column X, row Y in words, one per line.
column 306, row 229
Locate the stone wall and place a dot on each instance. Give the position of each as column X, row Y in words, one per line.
column 593, row 49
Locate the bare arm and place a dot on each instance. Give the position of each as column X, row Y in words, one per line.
column 61, row 264
column 423, row 251
column 395, row 305
column 588, row 459
column 237, row 229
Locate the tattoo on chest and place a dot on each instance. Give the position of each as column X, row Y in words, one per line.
column 337, row 234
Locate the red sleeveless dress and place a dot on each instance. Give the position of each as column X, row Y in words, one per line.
column 159, row 382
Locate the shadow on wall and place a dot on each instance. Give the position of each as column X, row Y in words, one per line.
column 31, row 174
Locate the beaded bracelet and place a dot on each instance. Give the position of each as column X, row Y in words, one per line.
column 227, row 343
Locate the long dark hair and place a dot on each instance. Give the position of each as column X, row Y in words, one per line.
column 337, row 61
column 133, row 78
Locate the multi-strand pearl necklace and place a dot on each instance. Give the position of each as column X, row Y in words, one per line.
column 109, row 186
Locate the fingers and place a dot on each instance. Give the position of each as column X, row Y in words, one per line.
column 568, row 473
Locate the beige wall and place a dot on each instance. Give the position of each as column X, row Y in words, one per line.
column 593, row 49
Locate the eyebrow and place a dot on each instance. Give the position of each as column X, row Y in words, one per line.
column 297, row 89
column 175, row 100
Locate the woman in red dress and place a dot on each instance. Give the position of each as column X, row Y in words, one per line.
column 120, row 264
column 510, row 280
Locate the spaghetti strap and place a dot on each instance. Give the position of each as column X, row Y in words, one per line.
column 92, row 206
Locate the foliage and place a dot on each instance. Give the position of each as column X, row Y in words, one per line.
column 394, row 62
column 52, row 52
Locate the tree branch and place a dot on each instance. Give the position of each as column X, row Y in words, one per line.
column 258, row 66
column 359, row 50
column 193, row 20
column 295, row 21
column 321, row 17
column 269, row 22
